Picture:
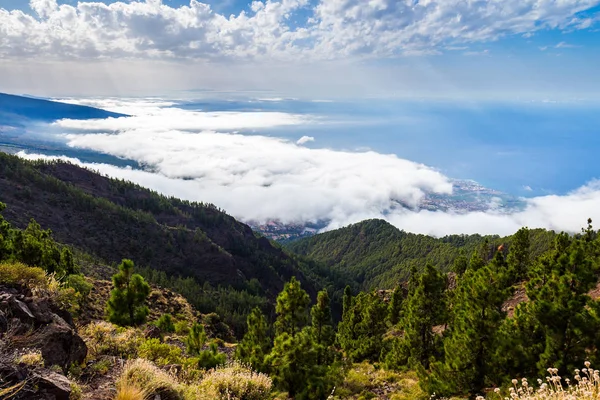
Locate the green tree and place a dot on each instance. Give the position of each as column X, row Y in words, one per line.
column 322, row 331
column 165, row 323
column 360, row 333
column 461, row 263
column 346, row 300
column 5, row 236
column 560, row 303
column 293, row 363
column 126, row 305
column 291, row 308
column 476, row 315
column 256, row 342
column 425, row 308
column 395, row 306
column 196, row 339
column 518, row 256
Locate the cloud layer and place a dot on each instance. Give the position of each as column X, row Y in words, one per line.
column 261, row 178
column 284, row 29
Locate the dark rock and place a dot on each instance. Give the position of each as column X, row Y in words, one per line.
column 64, row 314
column 11, row 372
column 3, row 322
column 51, row 385
column 152, row 332
column 21, row 311
column 17, row 327
column 61, row 345
column 41, row 310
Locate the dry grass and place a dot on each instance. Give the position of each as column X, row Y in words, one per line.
column 236, row 382
column 142, row 373
column 130, row 392
column 584, row 386
column 104, row 338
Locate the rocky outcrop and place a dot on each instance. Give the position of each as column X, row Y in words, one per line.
column 37, row 324
column 33, row 323
column 38, row 383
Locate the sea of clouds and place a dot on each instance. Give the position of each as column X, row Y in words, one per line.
column 222, row 158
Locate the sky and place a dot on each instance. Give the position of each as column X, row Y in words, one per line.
column 305, row 110
column 509, row 49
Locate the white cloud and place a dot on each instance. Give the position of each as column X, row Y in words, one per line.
column 304, row 140
column 527, row 188
column 262, row 178
column 274, row 29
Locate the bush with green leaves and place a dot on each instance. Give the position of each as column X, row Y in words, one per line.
column 196, row 339
column 127, row 303
column 159, row 353
column 165, row 323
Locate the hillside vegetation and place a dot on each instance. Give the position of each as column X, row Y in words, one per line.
column 377, row 255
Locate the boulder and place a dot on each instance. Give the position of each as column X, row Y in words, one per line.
column 61, row 345
column 21, row 311
column 41, row 310
column 51, row 385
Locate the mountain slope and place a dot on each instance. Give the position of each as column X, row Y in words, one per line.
column 378, row 255
column 115, row 219
column 19, row 110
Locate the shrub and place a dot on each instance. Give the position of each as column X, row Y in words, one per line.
column 182, row 328
column 211, row 358
column 236, row 382
column 142, row 376
column 159, row 353
column 165, row 323
column 102, row 366
column 76, row 393
column 196, row 339
column 80, row 285
column 12, row 274
column 104, row 338
column 33, row 358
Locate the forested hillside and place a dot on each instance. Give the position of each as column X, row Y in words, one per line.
column 377, row 255
column 112, row 220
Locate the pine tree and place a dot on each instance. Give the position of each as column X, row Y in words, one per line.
column 360, row 333
column 476, row 315
column 425, row 308
column 126, row 305
column 291, row 308
column 461, row 263
column 256, row 342
column 346, row 300
column 518, row 256
column 395, row 306
column 322, row 331
column 196, row 339
column 165, row 323
column 293, row 361
column 560, row 304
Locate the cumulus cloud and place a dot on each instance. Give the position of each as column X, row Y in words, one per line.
column 280, row 29
column 304, row 140
column 259, row 178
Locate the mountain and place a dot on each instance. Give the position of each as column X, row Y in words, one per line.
column 114, row 219
column 466, row 196
column 18, row 111
column 377, row 255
